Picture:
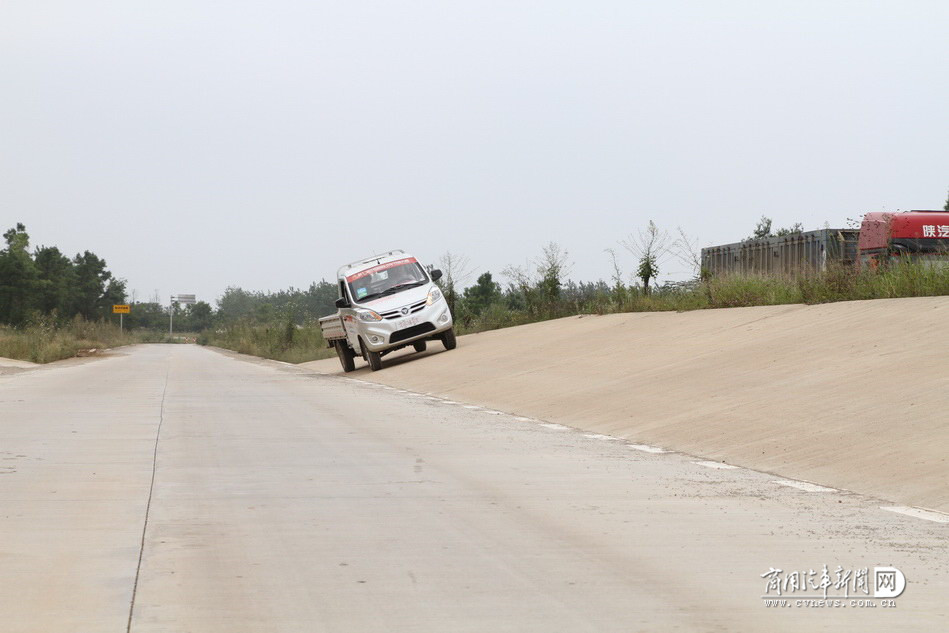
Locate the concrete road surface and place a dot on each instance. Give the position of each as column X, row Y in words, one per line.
column 178, row 489
column 852, row 393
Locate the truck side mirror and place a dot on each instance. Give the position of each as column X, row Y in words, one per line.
column 436, row 275
column 342, row 303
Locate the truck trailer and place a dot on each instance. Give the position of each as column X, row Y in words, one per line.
column 882, row 237
column 809, row 251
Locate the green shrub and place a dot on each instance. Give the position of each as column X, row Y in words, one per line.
column 280, row 340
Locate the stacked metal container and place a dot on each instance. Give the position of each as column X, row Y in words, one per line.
column 794, row 254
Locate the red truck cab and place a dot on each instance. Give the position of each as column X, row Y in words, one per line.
column 922, row 235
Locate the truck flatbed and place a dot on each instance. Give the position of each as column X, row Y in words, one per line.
column 332, row 328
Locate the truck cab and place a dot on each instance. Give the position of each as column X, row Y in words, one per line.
column 386, row 302
column 892, row 237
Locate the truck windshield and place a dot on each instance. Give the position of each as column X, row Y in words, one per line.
column 385, row 280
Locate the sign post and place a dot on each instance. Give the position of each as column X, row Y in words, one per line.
column 185, row 299
column 121, row 309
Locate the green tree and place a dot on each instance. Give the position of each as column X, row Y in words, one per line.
column 147, row 315
column 19, row 280
column 484, row 293
column 57, row 278
column 113, row 293
column 47, row 282
column 647, row 270
column 200, row 316
column 764, row 229
column 552, row 267
column 320, row 299
column 236, row 303
column 790, row 230
column 650, row 246
column 93, row 293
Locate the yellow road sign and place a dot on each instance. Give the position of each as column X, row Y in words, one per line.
column 120, row 309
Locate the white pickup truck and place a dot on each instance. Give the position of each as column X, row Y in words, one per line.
column 386, row 302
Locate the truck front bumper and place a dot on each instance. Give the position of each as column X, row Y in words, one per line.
column 388, row 334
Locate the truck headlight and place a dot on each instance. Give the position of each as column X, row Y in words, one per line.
column 433, row 295
column 369, row 315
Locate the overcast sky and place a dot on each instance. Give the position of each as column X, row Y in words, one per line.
column 196, row 145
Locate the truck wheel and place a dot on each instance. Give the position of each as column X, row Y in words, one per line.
column 419, row 346
column 448, row 339
column 375, row 360
column 346, row 356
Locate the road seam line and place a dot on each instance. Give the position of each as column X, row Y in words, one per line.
column 148, row 504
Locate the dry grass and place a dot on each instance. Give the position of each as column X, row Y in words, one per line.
column 287, row 342
column 45, row 341
column 295, row 344
column 904, row 279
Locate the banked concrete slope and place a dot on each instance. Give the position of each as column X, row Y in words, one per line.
column 852, row 395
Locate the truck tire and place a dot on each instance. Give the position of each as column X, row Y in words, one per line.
column 375, row 360
column 419, row 346
column 346, row 356
column 448, row 339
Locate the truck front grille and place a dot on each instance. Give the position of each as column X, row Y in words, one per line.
column 397, row 314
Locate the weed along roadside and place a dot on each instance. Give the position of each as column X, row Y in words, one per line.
column 906, row 258
column 45, row 342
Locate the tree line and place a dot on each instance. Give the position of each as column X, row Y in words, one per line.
column 46, row 282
